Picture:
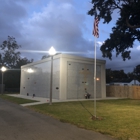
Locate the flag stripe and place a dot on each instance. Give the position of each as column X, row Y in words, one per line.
column 95, row 29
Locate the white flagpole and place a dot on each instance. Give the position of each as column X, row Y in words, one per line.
column 95, row 77
column 96, row 34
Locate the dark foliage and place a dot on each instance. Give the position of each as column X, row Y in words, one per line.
column 127, row 26
column 11, row 59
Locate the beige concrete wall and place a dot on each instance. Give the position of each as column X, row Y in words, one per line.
column 71, row 77
column 123, row 91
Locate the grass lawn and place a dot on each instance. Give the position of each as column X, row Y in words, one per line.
column 16, row 99
column 121, row 118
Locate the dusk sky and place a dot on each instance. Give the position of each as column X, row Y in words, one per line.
column 39, row 24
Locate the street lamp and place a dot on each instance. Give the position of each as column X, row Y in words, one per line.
column 52, row 52
column 3, row 69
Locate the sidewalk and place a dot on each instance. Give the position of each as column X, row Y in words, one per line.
column 41, row 100
column 38, row 99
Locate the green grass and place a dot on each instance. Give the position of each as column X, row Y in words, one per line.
column 121, row 118
column 16, row 99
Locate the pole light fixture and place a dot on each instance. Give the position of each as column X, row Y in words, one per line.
column 52, row 52
column 3, row 69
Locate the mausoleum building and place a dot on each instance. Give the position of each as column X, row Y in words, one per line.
column 73, row 77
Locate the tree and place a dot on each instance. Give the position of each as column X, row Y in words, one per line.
column 11, row 58
column 44, row 56
column 136, row 72
column 130, row 75
column 8, row 56
column 109, row 75
column 22, row 61
column 115, row 75
column 127, row 26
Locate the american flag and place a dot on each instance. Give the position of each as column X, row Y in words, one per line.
column 95, row 28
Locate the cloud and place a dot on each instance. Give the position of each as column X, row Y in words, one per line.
column 128, row 65
column 100, row 42
column 59, row 28
column 11, row 15
column 138, row 47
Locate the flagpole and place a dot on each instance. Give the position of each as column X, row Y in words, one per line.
column 95, row 77
column 96, row 34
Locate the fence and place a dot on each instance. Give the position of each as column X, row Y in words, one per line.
column 2, row 88
column 132, row 92
column 15, row 90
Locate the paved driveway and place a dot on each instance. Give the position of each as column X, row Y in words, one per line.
column 20, row 123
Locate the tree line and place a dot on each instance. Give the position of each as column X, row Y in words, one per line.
column 121, row 76
column 11, row 58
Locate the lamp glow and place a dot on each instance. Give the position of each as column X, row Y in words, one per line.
column 30, row 70
column 52, row 51
column 97, row 79
column 3, row 69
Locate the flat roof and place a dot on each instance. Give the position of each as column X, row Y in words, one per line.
column 68, row 56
